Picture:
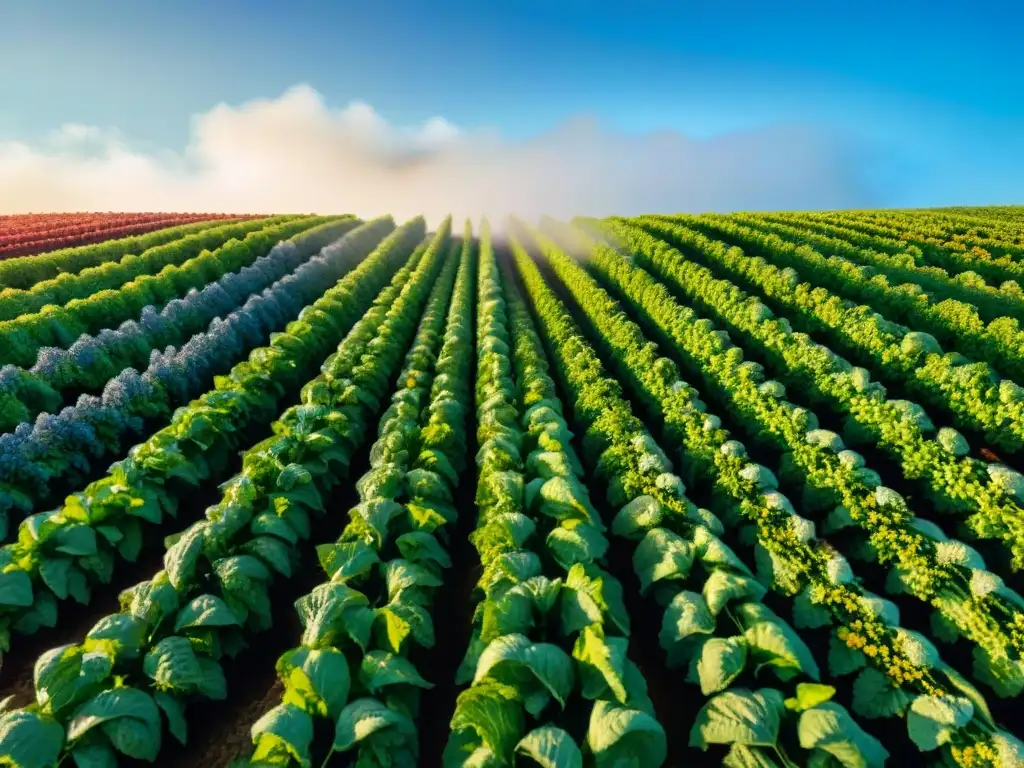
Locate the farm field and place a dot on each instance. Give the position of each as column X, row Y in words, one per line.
column 294, row 490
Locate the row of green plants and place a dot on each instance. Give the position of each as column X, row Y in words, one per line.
column 548, row 669
column 908, row 360
column 836, row 485
column 955, row 279
column 744, row 657
column 954, row 481
column 922, row 245
column 366, row 626
column 899, row 672
column 966, row 381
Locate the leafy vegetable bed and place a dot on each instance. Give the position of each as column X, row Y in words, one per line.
column 519, row 498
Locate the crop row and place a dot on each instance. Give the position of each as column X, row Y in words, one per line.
column 25, row 271
column 366, row 625
column 900, row 670
column 36, row 238
column 904, row 359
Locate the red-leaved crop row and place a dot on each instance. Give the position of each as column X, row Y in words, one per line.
column 70, row 230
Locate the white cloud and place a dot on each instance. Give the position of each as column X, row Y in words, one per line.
column 294, row 153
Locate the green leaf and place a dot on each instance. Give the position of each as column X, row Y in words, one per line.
column 662, row 555
column 127, row 633
column 76, row 540
column 566, row 497
column 807, row 615
column 742, row 756
column 403, row 619
column 402, row 575
column 378, row 514
column 285, row 726
column 348, row 560
column 969, row 691
column 318, row 681
column 619, row 736
column 55, row 572
column 175, row 714
column 592, row 596
column 15, row 589
column 213, row 685
column 487, row 715
column 205, row 611
column 842, row 659
column 715, row 554
column 636, row 518
column 550, row 747
column 56, row 677
column 509, row 569
column 324, row 613
column 576, row 542
column 774, row 644
column 602, row 663
column 272, row 551
column 721, row 660
column 270, row 524
column 830, row 728
column 423, row 549
column 113, row 704
column 722, row 587
column 380, row 669
column 684, row 624
column 292, row 476
column 363, row 718
column 874, row 696
column 932, row 720
column 537, row 671
column 809, row 695
column 30, row 739
column 181, row 559
column 173, row 665
column 98, row 755
column 739, row 716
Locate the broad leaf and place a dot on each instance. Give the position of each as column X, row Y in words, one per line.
column 30, row 739
column 363, row 718
column 660, row 556
column 285, row 726
column 721, row 661
column 932, row 720
column 723, row 587
column 317, row 680
column 739, row 716
column 537, row 671
column 550, row 747
column 874, row 695
column 774, row 644
column 619, row 736
column 829, row 728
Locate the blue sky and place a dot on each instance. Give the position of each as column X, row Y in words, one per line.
column 932, row 92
